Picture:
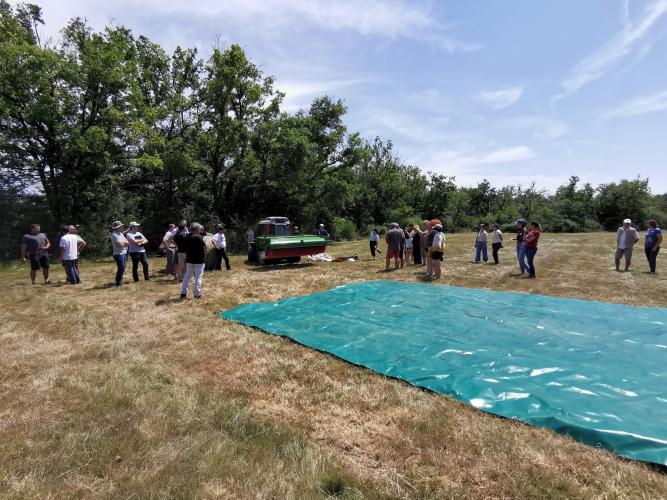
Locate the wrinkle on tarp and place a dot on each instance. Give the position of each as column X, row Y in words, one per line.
column 593, row 370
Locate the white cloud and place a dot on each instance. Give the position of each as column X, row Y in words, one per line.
column 640, row 106
column 300, row 94
column 600, row 62
column 272, row 19
column 539, row 127
column 508, row 155
column 502, row 98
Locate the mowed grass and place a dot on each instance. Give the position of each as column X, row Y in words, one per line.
column 130, row 393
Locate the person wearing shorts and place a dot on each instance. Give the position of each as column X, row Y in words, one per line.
column 626, row 237
column 437, row 250
column 35, row 246
column 395, row 239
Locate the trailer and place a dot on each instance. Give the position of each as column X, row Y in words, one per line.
column 276, row 240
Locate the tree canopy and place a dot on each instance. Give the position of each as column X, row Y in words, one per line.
column 108, row 125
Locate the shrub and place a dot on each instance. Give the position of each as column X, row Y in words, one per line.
column 344, row 229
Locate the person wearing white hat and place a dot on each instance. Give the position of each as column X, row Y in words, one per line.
column 322, row 231
column 119, row 243
column 626, row 237
column 137, row 251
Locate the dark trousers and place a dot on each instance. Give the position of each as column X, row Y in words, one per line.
column 495, row 247
column 652, row 257
column 373, row 245
column 221, row 253
column 416, row 253
column 121, row 260
column 72, row 272
column 530, row 256
column 136, row 258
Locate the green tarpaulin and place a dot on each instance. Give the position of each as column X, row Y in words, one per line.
column 594, row 370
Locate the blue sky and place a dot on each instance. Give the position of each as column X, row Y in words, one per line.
column 514, row 91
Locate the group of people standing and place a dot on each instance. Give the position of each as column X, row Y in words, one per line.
column 185, row 249
column 427, row 246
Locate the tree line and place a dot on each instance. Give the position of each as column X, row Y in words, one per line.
column 108, row 125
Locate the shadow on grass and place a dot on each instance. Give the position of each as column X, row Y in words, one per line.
column 280, row 267
column 166, row 302
column 105, row 286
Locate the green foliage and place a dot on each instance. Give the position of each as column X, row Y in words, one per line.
column 343, row 229
column 108, row 125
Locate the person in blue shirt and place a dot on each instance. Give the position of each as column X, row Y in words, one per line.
column 652, row 244
column 322, row 231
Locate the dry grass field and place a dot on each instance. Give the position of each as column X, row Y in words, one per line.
column 128, row 392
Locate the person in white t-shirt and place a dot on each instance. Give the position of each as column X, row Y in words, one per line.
column 169, row 247
column 70, row 246
column 437, row 251
column 221, row 248
column 137, row 251
column 496, row 242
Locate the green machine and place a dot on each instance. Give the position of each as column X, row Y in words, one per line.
column 278, row 240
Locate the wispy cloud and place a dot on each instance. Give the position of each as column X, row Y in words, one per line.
column 272, row 19
column 640, row 106
column 508, row 155
column 600, row 62
column 538, row 126
column 501, row 98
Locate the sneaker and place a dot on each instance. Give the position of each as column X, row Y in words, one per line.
column 33, row 282
column 197, row 296
column 182, row 296
column 47, row 281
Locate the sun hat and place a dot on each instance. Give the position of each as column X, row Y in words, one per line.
column 116, row 224
column 521, row 221
column 627, row 221
column 321, row 225
column 133, row 224
column 437, row 226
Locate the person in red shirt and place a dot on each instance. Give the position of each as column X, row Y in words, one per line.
column 531, row 247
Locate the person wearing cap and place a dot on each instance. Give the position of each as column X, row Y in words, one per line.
column 395, row 239
column 119, row 245
column 437, row 250
column 221, row 248
column 521, row 232
column 137, row 250
column 179, row 239
column 195, row 260
column 480, row 244
column 323, row 232
column 626, row 237
column 496, row 242
column 652, row 243
column 34, row 247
